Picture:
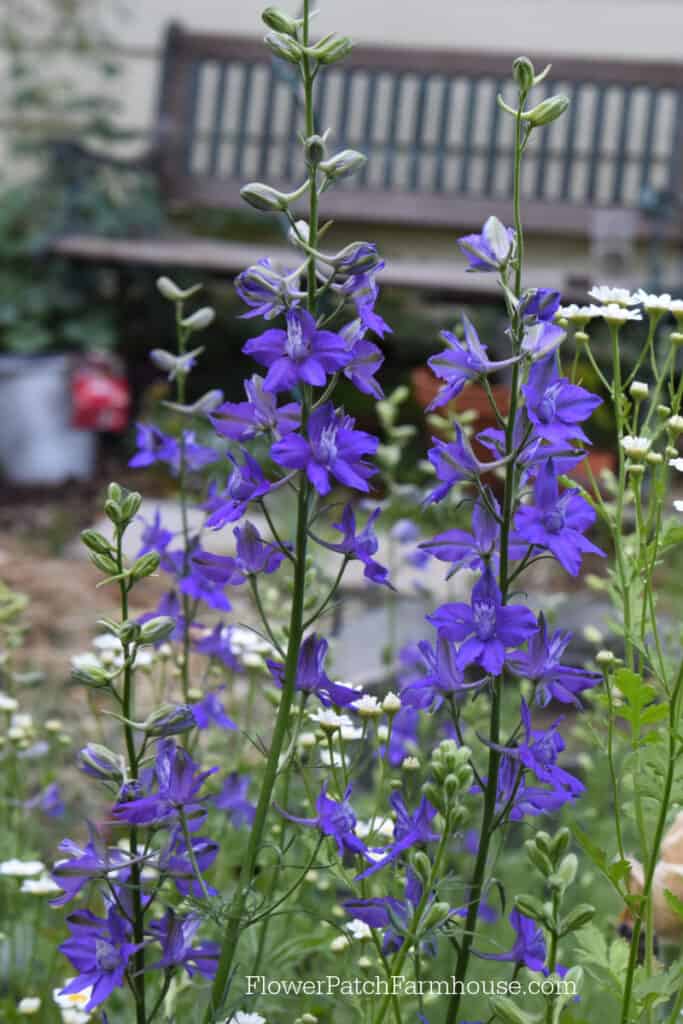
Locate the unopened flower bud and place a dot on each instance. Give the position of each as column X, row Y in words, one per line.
column 547, row 111
column 284, row 46
column 200, row 320
column 410, row 764
column 145, row 566
column 343, row 164
column 169, row 720
column 663, row 411
column 130, row 506
column 171, row 291
column 654, row 458
column 279, row 21
column 314, row 149
column 675, row 424
column 329, row 51
column 156, row 630
column 639, row 390
column 382, row 733
column 263, row 197
column 523, row 73
column 436, row 915
column 582, row 337
column 340, row 943
column 101, row 763
column 391, row 703
column 676, row 338
column 95, row 541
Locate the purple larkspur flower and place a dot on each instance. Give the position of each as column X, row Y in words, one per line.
column 541, row 338
column 48, row 800
column 266, row 290
column 300, row 353
column 528, row 948
column 199, row 578
column 453, row 461
column 175, row 934
column 311, row 676
column 85, row 863
column 409, row 830
column 332, row 449
column 175, row 862
column 362, row 288
column 475, row 550
column 153, row 446
column 486, row 627
column 155, row 537
column 443, row 679
column 260, row 414
column 555, row 406
column 540, row 303
column 335, row 818
column 209, row 711
column 217, row 644
column 361, row 545
column 175, row 785
column 365, row 359
column 403, row 736
column 489, row 249
column 233, row 799
column 541, row 662
column 99, row 949
column 537, row 751
column 393, row 916
column 253, row 553
column 463, row 360
column 247, row 483
column 557, row 522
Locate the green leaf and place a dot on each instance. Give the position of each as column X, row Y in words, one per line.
column 674, row 902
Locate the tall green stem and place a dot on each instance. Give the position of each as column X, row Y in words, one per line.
column 135, row 871
column 295, row 635
column 476, row 887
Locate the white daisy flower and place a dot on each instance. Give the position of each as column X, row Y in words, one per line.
column 653, row 303
column 73, row 1005
column 21, row 868
column 359, row 930
column 327, row 718
column 605, row 295
column 677, row 464
column 368, row 706
column 636, row 447
column 43, row 886
column 8, row 703
column 616, row 314
column 29, row 1005
column 577, row 314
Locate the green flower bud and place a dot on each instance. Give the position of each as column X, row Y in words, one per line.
column 523, row 73
column 93, row 676
column 129, row 632
column 171, row 291
column 100, row 762
column 547, row 111
column 329, row 51
column 314, row 149
column 531, row 907
column 105, row 563
column 577, row 917
column 284, row 47
column 343, row 164
column 130, row 506
column 279, row 21
column 96, row 542
column 145, row 566
column 200, row 320
column 169, row 720
column 508, row 1012
column 559, row 844
column 263, row 197
column 156, row 630
column 114, row 492
column 565, row 874
column 538, row 858
column 436, row 915
column 421, row 865
column 112, row 510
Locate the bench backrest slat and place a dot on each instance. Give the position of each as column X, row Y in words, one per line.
column 428, row 121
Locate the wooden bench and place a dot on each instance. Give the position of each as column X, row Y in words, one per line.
column 439, row 149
